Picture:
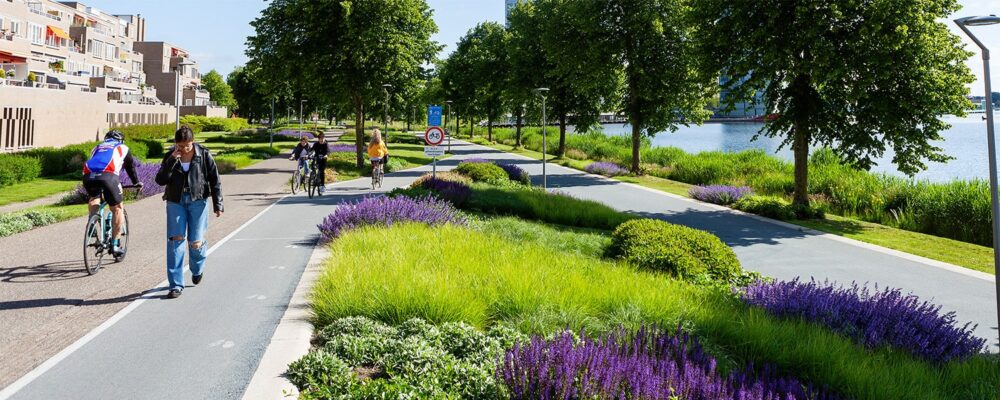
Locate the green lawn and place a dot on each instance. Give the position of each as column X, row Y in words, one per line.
column 972, row 256
column 36, row 189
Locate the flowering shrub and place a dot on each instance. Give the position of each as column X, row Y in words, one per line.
column 146, row 174
column 648, row 364
column 387, row 211
column 296, row 134
column 606, row 169
column 475, row 160
column 342, row 148
column 457, row 193
column 885, row 317
column 515, row 173
column 719, row 194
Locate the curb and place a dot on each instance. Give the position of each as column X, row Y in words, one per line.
column 291, row 339
column 884, row 250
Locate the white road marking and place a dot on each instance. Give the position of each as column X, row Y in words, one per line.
column 256, row 297
column 276, row 267
column 23, row 381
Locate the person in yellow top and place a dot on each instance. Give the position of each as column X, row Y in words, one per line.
column 377, row 152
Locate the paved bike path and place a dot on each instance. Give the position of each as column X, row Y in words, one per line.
column 207, row 343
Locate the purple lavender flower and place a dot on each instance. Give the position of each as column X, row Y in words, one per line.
column 146, row 174
column 606, row 169
column 342, row 148
column 649, row 364
column 474, row 160
column 457, row 193
column 720, row 194
column 515, row 173
column 387, row 211
column 882, row 317
column 296, row 134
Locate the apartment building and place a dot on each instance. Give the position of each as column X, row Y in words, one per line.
column 71, row 71
column 166, row 66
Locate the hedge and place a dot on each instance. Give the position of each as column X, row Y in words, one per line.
column 482, row 171
column 678, row 250
column 18, row 168
column 214, row 124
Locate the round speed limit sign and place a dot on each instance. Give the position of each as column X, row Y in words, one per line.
column 434, row 136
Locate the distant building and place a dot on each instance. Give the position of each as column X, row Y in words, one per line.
column 161, row 61
column 510, row 4
column 742, row 109
column 69, row 72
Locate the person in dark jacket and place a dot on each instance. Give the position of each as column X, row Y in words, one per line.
column 191, row 177
column 320, row 150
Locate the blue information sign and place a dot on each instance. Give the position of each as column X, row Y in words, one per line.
column 434, row 116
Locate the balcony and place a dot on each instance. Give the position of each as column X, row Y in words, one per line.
column 40, row 12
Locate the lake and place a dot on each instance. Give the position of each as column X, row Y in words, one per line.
column 965, row 141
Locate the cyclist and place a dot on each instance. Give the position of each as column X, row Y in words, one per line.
column 100, row 179
column 377, row 152
column 301, row 153
column 320, row 150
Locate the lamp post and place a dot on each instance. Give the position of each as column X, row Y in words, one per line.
column 446, row 118
column 270, row 123
column 541, row 93
column 964, row 23
column 177, row 92
column 301, row 120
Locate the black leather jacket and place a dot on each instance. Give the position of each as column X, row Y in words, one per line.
column 202, row 177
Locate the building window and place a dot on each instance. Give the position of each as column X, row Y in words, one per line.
column 36, row 33
column 15, row 28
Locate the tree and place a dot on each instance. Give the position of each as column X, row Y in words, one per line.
column 482, row 57
column 217, row 87
column 344, row 50
column 650, row 41
column 248, row 96
column 858, row 77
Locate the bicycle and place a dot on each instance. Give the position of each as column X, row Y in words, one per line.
column 378, row 173
column 97, row 239
column 315, row 179
column 300, row 178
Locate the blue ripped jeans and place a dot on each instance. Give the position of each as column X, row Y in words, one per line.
column 187, row 220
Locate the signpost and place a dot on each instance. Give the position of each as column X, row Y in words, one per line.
column 434, row 136
column 434, row 116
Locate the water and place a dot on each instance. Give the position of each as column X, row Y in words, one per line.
column 965, row 141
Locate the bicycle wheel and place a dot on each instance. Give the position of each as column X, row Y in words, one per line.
column 296, row 180
column 93, row 245
column 317, row 183
column 123, row 239
column 381, row 175
column 310, row 186
column 374, row 178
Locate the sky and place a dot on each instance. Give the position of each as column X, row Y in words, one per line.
column 215, row 31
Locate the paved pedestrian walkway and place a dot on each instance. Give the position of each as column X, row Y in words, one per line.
column 47, row 300
column 23, row 205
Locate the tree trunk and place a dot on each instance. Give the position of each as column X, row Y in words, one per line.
column 517, row 130
column 561, row 151
column 489, row 129
column 800, row 148
column 359, row 130
column 472, row 129
column 636, row 132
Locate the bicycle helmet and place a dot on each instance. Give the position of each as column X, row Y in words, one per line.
column 115, row 134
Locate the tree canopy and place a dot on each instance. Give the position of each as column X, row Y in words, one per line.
column 217, row 87
column 859, row 77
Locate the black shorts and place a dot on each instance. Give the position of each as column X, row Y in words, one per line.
column 105, row 184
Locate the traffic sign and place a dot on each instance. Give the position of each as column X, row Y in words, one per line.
column 433, row 151
column 434, row 136
column 434, row 116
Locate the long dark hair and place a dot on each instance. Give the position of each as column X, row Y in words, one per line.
column 185, row 134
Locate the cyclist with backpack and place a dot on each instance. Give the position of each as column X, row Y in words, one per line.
column 101, row 179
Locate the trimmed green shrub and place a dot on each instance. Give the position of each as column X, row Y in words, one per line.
column 678, row 250
column 66, row 159
column 481, row 171
column 394, row 165
column 18, row 168
column 214, row 124
column 766, row 206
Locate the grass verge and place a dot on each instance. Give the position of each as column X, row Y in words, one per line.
column 963, row 254
column 36, row 189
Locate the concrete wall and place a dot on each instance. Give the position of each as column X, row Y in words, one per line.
column 34, row 117
column 207, row 111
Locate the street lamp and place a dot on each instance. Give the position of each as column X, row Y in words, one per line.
column 964, row 23
column 177, row 92
column 385, row 113
column 446, row 118
column 302, row 121
column 541, row 93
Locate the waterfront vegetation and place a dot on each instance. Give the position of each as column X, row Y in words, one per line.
column 493, row 280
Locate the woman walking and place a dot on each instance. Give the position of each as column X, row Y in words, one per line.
column 190, row 175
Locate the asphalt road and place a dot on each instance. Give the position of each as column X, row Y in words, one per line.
column 208, row 343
